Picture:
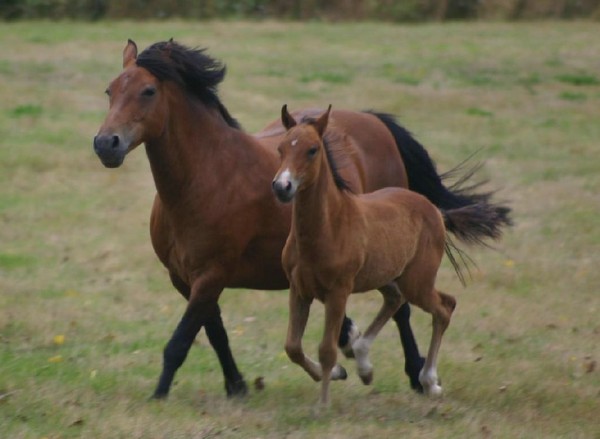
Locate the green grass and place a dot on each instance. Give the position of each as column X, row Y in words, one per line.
column 520, row 357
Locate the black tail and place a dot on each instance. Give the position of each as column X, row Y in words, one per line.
column 470, row 216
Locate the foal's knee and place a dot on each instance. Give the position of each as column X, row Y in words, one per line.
column 294, row 352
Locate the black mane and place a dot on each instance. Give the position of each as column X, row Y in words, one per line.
column 329, row 140
column 191, row 69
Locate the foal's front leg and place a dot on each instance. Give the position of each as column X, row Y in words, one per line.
column 299, row 309
column 335, row 308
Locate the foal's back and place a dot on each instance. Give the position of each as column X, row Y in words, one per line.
column 402, row 230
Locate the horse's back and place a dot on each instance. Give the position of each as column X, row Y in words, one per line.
column 363, row 141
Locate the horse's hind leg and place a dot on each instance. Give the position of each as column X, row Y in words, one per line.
column 441, row 307
column 392, row 299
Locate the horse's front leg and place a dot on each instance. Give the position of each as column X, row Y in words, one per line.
column 217, row 336
column 413, row 361
column 202, row 307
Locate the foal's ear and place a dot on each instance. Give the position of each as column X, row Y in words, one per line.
column 321, row 122
column 286, row 118
column 129, row 53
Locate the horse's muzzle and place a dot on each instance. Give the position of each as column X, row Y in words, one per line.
column 283, row 190
column 110, row 150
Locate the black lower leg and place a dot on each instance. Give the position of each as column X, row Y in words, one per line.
column 234, row 381
column 175, row 353
column 413, row 360
column 345, row 331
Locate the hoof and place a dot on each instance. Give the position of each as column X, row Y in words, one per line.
column 435, row 391
column 158, row 396
column 339, row 373
column 366, row 378
column 413, row 372
column 236, row 389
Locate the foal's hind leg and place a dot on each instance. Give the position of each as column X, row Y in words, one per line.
column 441, row 307
column 392, row 299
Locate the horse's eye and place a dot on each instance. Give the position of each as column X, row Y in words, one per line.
column 149, row 92
column 107, row 91
column 312, row 152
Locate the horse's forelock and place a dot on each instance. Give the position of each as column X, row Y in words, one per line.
column 191, row 69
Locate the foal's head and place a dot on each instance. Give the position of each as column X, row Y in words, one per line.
column 300, row 150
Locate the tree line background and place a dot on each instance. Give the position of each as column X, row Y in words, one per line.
column 343, row 10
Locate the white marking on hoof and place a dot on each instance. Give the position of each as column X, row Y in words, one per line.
column 361, row 348
column 435, row 391
column 430, row 382
column 338, row 373
column 353, row 335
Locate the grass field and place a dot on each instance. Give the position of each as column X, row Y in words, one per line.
column 85, row 307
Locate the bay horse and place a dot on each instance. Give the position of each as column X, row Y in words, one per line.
column 341, row 243
column 215, row 223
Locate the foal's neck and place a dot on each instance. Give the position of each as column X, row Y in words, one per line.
column 317, row 211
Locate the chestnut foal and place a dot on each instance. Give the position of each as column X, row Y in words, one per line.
column 392, row 240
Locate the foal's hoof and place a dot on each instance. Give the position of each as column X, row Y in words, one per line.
column 338, row 373
column 435, row 391
column 236, row 389
column 366, row 378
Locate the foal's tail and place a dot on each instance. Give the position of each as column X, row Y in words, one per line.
column 468, row 215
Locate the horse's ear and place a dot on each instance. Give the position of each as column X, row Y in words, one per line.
column 286, row 118
column 129, row 53
column 321, row 122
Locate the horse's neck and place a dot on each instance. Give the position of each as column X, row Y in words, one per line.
column 317, row 212
column 190, row 149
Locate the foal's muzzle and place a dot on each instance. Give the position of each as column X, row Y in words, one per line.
column 284, row 190
column 110, row 149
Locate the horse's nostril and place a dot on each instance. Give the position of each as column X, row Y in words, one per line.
column 115, row 141
column 288, row 186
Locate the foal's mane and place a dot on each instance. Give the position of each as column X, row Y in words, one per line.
column 191, row 69
column 332, row 145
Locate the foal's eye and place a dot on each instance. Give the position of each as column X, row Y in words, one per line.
column 312, row 152
column 149, row 92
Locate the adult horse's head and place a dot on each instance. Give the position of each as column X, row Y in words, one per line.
column 141, row 98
